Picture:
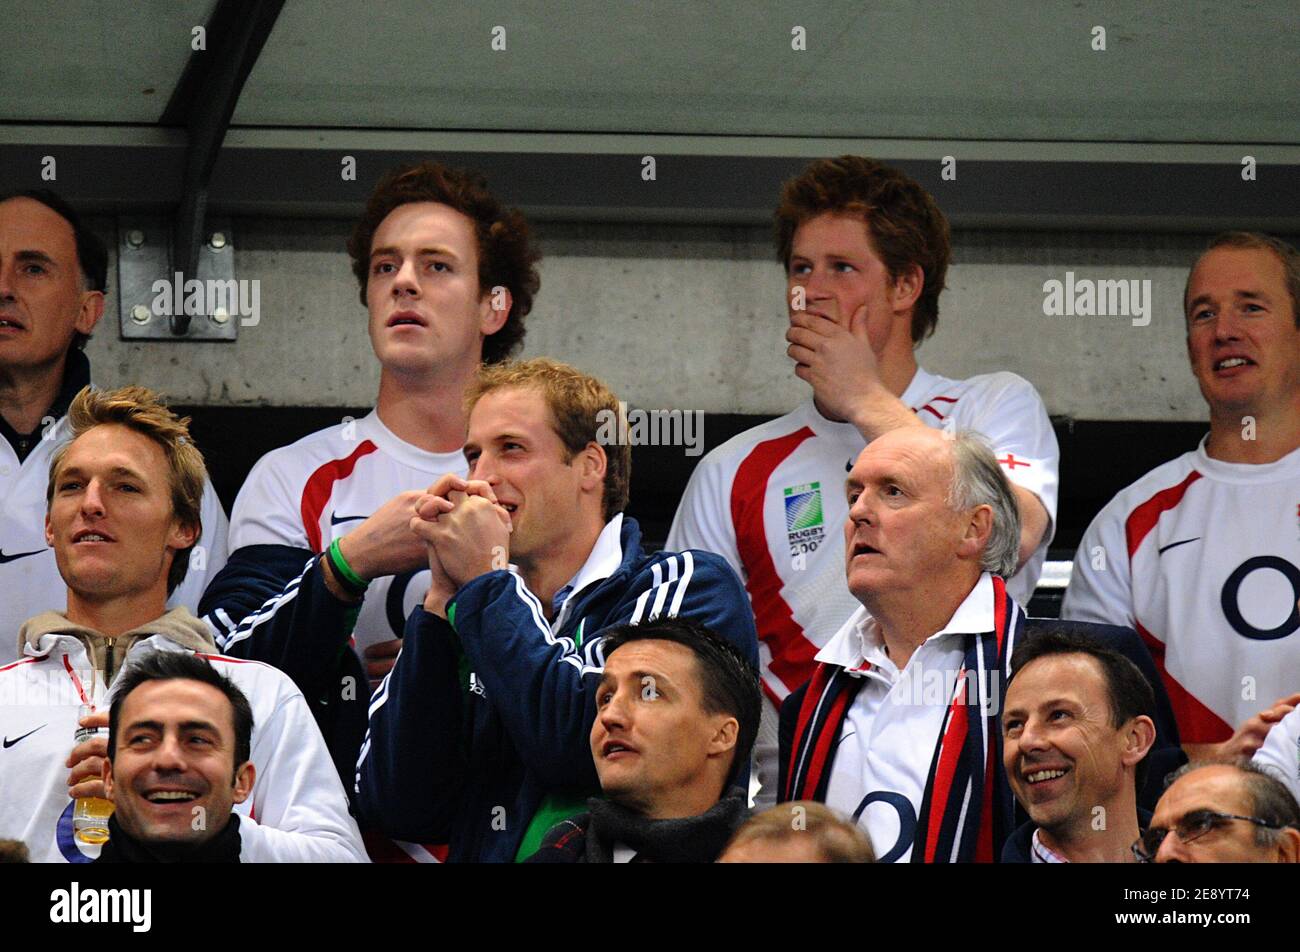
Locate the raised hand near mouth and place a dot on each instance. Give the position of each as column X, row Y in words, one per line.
column 466, row 533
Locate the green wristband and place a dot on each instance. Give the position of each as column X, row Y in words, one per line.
column 340, row 564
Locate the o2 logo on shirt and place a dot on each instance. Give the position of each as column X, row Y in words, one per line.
column 906, row 822
column 397, row 606
column 1230, row 598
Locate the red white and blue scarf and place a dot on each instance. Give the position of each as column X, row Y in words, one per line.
column 967, row 811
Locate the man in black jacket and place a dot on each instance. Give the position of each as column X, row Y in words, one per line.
column 1077, row 726
column 180, row 736
column 676, row 714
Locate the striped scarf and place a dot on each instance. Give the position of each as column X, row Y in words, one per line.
column 967, row 810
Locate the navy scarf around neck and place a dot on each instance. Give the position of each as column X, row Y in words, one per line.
column 967, row 810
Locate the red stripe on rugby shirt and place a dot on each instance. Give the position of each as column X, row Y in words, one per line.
column 1197, row 724
column 792, row 654
column 14, row 664
column 932, row 409
column 320, row 484
column 221, row 657
column 381, row 849
column 1143, row 519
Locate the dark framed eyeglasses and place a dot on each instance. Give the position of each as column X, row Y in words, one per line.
column 1189, row 829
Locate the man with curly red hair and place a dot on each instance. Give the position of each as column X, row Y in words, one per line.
column 865, row 250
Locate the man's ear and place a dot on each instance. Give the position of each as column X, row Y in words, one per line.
column 494, row 309
column 182, row 537
column 244, row 778
column 1140, row 735
column 107, row 776
column 975, row 535
column 49, row 532
column 1288, row 845
column 92, row 309
column 725, row 737
column 595, row 463
column 906, row 289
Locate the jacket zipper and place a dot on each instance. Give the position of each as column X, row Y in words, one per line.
column 108, row 663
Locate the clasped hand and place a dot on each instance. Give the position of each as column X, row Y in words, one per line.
column 466, row 533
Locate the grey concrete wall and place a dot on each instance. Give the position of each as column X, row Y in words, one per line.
column 692, row 318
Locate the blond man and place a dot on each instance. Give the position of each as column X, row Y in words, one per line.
column 125, row 496
column 803, row 831
column 532, row 559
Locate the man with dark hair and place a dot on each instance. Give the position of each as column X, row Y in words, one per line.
column 1168, row 556
column 677, row 709
column 1077, row 723
column 53, row 274
column 179, row 743
column 323, row 558
column 865, row 251
column 1223, row 813
column 481, row 732
column 91, row 254
column 124, row 504
column 504, row 256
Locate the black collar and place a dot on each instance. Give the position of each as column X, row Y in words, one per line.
column 76, row 375
column 696, row 839
column 121, row 848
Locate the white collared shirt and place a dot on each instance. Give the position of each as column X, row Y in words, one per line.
column 888, row 740
column 1040, row 852
column 771, row 502
column 602, row 562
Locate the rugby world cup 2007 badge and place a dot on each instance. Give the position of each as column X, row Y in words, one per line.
column 804, row 525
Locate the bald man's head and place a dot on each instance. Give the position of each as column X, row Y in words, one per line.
column 925, row 501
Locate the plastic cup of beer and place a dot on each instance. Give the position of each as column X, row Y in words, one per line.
column 90, row 814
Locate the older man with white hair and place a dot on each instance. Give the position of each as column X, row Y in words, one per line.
column 898, row 727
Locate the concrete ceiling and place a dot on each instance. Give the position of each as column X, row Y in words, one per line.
column 84, row 61
column 1197, row 71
